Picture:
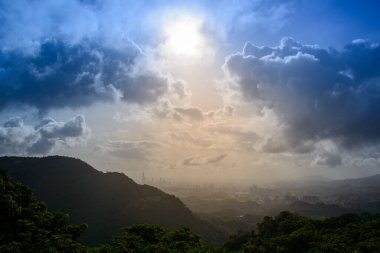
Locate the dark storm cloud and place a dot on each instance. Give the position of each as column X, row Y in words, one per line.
column 317, row 93
column 64, row 75
column 17, row 138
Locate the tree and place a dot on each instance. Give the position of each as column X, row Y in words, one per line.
column 146, row 238
column 27, row 226
column 292, row 233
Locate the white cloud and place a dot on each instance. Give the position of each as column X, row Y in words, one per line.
column 16, row 138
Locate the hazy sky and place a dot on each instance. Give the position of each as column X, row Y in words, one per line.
column 194, row 91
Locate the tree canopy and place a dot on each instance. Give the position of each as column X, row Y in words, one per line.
column 27, row 226
column 292, row 233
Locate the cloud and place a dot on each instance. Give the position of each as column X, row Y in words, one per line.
column 136, row 150
column 64, row 75
column 180, row 90
column 197, row 161
column 191, row 161
column 245, row 138
column 327, row 154
column 192, row 113
column 328, row 159
column 185, row 137
column 315, row 93
column 25, row 24
column 242, row 135
column 272, row 16
column 16, row 138
column 245, row 18
column 189, row 113
column 216, row 159
column 272, row 145
column 76, row 53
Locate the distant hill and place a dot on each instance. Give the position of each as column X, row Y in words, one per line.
column 301, row 182
column 371, row 181
column 316, row 210
column 107, row 202
column 319, row 181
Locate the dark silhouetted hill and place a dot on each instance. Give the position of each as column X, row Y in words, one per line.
column 107, row 202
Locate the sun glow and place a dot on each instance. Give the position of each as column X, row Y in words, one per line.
column 183, row 37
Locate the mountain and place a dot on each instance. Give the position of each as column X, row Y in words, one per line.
column 319, row 181
column 371, row 181
column 300, row 182
column 107, row 202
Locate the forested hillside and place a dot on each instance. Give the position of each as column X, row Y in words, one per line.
column 107, row 202
column 292, row 233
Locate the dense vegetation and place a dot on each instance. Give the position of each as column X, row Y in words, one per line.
column 292, row 233
column 145, row 238
column 27, row 226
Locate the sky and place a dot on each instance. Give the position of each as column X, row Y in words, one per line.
column 229, row 92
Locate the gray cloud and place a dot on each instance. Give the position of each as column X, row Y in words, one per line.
column 180, row 90
column 272, row 145
column 17, row 138
column 64, row 75
column 192, row 113
column 179, row 113
column 197, row 161
column 191, row 161
column 317, row 93
column 216, row 159
column 242, row 135
column 246, row 139
column 185, row 137
column 329, row 159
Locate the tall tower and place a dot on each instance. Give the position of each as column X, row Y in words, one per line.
column 143, row 178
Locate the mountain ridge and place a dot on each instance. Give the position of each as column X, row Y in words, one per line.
column 316, row 180
column 106, row 201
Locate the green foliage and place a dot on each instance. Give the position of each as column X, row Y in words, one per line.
column 27, row 226
column 292, row 233
column 144, row 238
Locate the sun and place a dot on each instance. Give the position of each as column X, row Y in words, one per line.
column 183, row 37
